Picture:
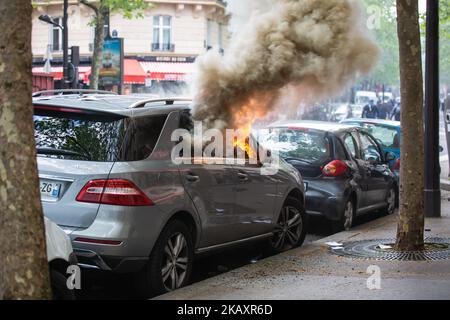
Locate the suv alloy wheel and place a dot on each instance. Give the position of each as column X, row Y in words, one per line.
column 171, row 262
column 290, row 231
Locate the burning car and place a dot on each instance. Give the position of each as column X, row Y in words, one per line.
column 110, row 181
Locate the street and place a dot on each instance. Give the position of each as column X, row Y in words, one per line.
column 100, row 285
column 166, row 149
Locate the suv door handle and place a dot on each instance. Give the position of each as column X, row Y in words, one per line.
column 192, row 177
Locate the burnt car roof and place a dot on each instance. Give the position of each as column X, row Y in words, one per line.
column 313, row 125
column 389, row 123
column 116, row 104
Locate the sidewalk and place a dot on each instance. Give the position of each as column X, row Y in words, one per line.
column 445, row 178
column 311, row 272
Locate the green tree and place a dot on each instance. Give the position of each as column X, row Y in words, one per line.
column 24, row 270
column 102, row 9
column 382, row 20
column 410, row 234
column 444, row 58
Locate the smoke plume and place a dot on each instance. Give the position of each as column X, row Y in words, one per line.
column 282, row 53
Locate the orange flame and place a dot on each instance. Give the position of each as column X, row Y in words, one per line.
column 244, row 119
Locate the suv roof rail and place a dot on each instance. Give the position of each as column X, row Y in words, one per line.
column 167, row 102
column 71, row 91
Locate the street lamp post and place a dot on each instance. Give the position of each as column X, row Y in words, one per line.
column 66, row 81
column 432, row 166
column 64, row 29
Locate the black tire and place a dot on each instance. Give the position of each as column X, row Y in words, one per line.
column 59, row 286
column 150, row 281
column 347, row 218
column 391, row 200
column 291, row 234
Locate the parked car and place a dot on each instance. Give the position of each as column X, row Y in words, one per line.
column 388, row 134
column 60, row 256
column 345, row 169
column 112, row 186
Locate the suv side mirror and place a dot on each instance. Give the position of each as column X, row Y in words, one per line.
column 390, row 156
column 441, row 149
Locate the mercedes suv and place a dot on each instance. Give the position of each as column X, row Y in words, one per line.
column 107, row 178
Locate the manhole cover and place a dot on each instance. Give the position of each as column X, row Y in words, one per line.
column 381, row 250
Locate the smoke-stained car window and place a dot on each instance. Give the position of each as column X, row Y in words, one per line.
column 352, row 146
column 340, row 150
column 308, row 145
column 370, row 151
column 98, row 137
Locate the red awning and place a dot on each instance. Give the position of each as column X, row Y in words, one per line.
column 168, row 71
column 57, row 72
column 133, row 72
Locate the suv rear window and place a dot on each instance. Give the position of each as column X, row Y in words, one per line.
column 88, row 136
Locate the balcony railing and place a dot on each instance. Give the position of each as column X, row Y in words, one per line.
column 165, row 47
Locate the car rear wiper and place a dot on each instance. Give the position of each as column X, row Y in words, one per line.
column 59, row 152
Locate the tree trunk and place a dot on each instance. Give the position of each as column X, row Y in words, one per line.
column 410, row 235
column 99, row 40
column 24, row 270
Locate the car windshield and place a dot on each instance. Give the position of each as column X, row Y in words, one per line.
column 296, row 143
column 386, row 136
column 95, row 137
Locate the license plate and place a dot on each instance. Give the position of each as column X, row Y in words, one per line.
column 50, row 189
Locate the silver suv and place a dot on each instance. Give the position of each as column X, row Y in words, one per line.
column 108, row 179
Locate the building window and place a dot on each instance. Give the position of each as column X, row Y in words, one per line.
column 209, row 34
column 162, row 34
column 56, row 35
column 220, row 42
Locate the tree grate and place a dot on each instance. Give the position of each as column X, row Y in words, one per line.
column 436, row 249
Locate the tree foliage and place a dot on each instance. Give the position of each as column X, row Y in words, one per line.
column 102, row 9
column 382, row 20
column 444, row 58
column 385, row 31
column 130, row 9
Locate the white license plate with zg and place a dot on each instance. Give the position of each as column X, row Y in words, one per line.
column 50, row 190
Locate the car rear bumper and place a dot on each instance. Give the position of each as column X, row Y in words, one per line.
column 326, row 198
column 91, row 260
column 120, row 240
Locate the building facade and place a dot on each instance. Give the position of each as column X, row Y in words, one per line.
column 165, row 41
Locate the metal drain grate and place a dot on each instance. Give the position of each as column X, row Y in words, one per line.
column 437, row 249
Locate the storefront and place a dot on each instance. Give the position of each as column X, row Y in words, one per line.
column 155, row 75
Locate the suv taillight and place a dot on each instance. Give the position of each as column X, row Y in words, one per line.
column 335, row 168
column 115, row 192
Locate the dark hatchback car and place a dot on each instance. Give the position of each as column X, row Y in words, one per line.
column 345, row 169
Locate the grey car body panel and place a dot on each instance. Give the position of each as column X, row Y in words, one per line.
column 223, row 208
column 73, row 175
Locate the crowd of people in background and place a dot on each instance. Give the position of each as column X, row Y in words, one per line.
column 386, row 111
column 391, row 110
